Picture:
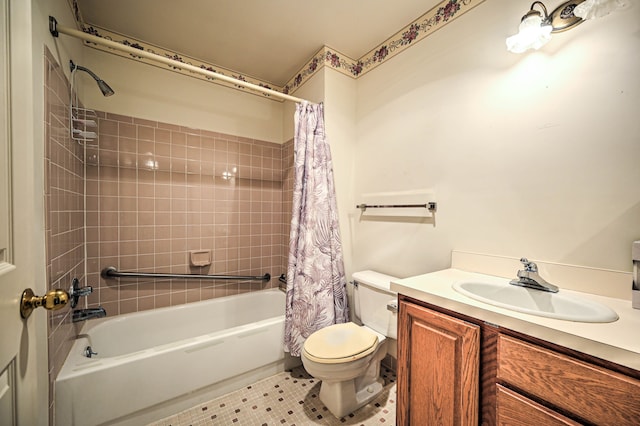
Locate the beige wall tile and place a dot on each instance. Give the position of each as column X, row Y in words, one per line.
column 155, row 192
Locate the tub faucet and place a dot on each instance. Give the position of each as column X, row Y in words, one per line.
column 529, row 278
column 86, row 314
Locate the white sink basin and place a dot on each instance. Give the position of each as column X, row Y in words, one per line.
column 564, row 305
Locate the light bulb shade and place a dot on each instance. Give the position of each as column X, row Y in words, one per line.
column 533, row 34
column 591, row 9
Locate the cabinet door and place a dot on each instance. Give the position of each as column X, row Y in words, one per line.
column 513, row 409
column 438, row 368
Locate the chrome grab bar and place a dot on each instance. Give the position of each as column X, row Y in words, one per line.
column 110, row 272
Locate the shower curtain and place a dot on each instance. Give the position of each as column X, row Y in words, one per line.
column 316, row 284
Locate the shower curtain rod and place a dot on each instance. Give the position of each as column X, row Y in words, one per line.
column 55, row 29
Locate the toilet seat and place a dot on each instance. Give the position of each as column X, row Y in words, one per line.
column 340, row 343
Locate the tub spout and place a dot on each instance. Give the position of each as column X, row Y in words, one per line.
column 86, row 314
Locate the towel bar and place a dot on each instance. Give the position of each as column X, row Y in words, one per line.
column 429, row 206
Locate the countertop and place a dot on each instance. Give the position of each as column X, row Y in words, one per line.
column 618, row 341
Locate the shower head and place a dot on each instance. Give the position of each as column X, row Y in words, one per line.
column 104, row 87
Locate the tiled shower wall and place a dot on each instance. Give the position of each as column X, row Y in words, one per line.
column 64, row 215
column 156, row 192
column 148, row 194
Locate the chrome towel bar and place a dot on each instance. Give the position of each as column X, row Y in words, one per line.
column 111, row 272
column 429, row 206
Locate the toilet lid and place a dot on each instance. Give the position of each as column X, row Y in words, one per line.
column 340, row 343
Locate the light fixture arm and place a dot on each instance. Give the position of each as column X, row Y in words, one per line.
column 532, row 11
column 560, row 19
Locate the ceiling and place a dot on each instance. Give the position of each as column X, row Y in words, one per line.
column 267, row 39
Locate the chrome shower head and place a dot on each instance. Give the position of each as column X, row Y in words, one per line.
column 104, row 87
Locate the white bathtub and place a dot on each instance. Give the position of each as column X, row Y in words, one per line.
column 156, row 363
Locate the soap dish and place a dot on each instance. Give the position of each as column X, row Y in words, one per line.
column 200, row 257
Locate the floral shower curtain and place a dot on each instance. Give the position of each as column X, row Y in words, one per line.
column 316, row 284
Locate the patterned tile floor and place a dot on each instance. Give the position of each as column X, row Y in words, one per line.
column 289, row 398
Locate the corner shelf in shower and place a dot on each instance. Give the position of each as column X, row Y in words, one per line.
column 83, row 124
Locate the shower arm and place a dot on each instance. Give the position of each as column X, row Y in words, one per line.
column 87, row 70
column 102, row 85
column 55, row 29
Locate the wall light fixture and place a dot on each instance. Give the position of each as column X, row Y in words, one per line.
column 537, row 26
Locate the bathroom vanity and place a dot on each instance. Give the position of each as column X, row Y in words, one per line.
column 464, row 362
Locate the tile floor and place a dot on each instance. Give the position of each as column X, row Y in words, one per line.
column 289, row 398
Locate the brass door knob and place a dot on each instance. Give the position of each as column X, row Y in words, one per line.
column 53, row 300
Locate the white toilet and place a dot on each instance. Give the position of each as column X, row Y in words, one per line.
column 346, row 357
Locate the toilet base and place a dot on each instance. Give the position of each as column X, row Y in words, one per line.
column 341, row 398
column 349, row 386
column 345, row 396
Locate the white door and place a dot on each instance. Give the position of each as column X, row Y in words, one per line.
column 23, row 346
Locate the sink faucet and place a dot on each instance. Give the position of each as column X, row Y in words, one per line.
column 85, row 314
column 528, row 277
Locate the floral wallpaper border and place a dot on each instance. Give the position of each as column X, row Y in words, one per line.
column 439, row 16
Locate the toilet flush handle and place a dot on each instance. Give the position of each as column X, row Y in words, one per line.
column 392, row 306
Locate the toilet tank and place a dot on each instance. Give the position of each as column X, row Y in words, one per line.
column 372, row 294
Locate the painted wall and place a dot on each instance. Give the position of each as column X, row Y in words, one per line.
column 529, row 155
column 338, row 92
column 340, row 116
column 152, row 93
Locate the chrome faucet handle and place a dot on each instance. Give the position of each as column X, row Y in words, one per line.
column 88, row 352
column 75, row 292
column 528, row 277
column 529, row 266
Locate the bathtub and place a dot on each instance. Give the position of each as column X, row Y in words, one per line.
column 156, row 363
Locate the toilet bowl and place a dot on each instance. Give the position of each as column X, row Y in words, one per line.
column 346, row 357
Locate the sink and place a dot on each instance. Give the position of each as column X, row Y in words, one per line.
column 564, row 305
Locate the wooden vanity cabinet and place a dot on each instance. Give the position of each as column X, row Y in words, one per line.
column 439, row 373
column 457, row 370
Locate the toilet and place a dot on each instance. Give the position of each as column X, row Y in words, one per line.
column 346, row 357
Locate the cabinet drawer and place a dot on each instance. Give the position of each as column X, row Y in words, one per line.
column 590, row 392
column 514, row 409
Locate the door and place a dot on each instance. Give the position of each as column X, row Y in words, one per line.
column 23, row 346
